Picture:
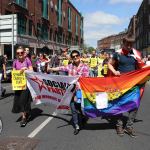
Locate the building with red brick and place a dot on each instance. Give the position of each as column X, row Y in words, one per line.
column 112, row 42
column 44, row 25
column 142, row 35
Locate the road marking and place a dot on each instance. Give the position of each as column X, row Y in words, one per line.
column 41, row 126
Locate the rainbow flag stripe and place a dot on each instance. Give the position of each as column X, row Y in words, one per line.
column 124, row 92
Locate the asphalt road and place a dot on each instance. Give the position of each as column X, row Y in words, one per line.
column 47, row 131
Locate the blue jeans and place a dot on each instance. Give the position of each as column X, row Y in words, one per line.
column 75, row 108
column 93, row 72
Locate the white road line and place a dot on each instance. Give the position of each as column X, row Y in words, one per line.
column 41, row 126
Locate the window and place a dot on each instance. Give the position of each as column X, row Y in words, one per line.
column 45, row 9
column 21, row 3
column 60, row 37
column 76, row 25
column 39, row 30
column 44, row 32
column 69, row 19
column 76, row 41
column 81, row 28
column 30, row 27
column 22, row 24
column 55, row 36
column 59, row 13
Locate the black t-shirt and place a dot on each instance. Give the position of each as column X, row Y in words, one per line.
column 126, row 63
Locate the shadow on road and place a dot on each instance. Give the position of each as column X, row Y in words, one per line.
column 99, row 126
column 7, row 95
column 35, row 112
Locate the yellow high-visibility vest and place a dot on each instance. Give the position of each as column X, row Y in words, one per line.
column 100, row 60
column 93, row 62
column 65, row 62
column 105, row 69
column 99, row 70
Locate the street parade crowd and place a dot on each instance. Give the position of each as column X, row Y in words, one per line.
column 103, row 65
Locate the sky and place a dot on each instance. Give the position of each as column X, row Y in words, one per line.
column 105, row 17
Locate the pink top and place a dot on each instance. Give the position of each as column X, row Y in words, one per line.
column 18, row 65
column 82, row 70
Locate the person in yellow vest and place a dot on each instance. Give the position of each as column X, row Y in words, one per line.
column 93, row 64
column 64, row 60
column 105, row 71
column 103, row 64
column 100, row 63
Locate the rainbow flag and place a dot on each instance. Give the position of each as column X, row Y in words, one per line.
column 121, row 93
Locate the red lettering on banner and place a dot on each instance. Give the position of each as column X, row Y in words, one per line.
column 64, row 107
column 56, row 90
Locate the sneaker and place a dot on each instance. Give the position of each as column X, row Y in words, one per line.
column 77, row 129
column 130, row 131
column 3, row 92
column 23, row 122
column 120, row 131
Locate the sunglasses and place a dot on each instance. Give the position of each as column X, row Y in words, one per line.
column 74, row 56
column 20, row 53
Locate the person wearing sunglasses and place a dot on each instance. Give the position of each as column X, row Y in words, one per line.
column 73, row 69
column 22, row 98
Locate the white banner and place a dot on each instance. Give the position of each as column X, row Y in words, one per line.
column 53, row 89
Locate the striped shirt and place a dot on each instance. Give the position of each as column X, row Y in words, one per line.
column 81, row 70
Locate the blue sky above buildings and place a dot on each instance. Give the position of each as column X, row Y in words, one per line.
column 105, row 17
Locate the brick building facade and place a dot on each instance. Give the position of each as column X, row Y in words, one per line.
column 142, row 35
column 44, row 25
column 111, row 42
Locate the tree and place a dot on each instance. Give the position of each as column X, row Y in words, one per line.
column 90, row 49
column 87, row 48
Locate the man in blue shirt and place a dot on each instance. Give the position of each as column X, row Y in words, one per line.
column 123, row 61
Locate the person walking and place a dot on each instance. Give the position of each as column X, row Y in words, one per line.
column 42, row 63
column 2, row 74
column 125, row 60
column 22, row 98
column 73, row 69
column 93, row 64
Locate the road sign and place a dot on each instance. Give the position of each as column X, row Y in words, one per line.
column 8, row 29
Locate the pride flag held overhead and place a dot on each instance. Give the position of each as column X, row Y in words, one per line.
column 113, row 95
